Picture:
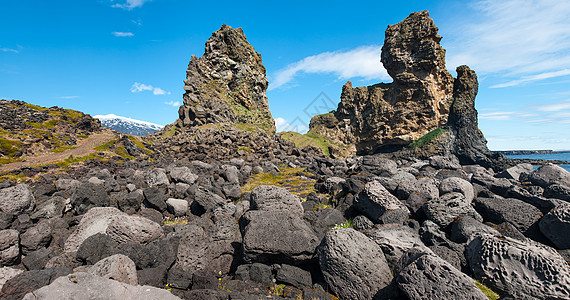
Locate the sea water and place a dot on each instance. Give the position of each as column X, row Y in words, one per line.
column 554, row 156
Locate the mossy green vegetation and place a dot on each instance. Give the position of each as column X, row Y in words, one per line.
column 430, row 136
column 35, row 107
column 71, row 160
column 14, row 177
column 63, row 148
column 308, row 139
column 292, row 179
column 171, row 221
column 487, row 291
column 10, row 148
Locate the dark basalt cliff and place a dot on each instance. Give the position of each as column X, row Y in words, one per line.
column 227, row 84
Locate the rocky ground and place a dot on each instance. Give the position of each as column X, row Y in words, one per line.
column 361, row 228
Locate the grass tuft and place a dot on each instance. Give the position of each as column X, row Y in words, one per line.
column 424, row 140
column 487, row 291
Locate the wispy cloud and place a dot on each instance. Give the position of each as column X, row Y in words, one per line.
column 141, row 87
column 530, row 40
column 137, row 22
column 361, row 62
column 500, row 115
column 555, row 107
column 130, row 4
column 68, row 97
column 530, row 78
column 122, row 34
column 296, row 125
column 172, row 103
column 9, row 50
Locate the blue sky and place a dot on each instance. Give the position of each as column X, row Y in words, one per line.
column 129, row 57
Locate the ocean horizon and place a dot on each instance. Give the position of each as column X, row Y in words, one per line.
column 565, row 156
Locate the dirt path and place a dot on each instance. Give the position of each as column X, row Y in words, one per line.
column 84, row 148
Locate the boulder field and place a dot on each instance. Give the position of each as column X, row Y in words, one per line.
column 372, row 228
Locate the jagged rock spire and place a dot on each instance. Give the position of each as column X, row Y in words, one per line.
column 227, row 84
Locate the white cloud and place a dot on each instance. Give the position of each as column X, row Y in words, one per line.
column 362, row 62
column 141, row 87
column 555, row 107
column 159, row 91
column 530, row 78
column 172, row 103
column 297, row 125
column 500, row 115
column 527, row 39
column 123, row 34
column 130, row 4
column 9, row 50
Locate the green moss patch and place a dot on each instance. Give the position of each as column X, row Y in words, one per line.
column 430, row 136
column 292, row 179
column 10, row 148
column 487, row 291
column 309, row 139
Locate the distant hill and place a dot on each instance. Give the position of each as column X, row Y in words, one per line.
column 128, row 125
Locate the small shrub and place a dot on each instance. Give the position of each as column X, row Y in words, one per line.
column 347, row 224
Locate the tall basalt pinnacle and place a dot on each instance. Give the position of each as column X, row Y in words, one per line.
column 465, row 140
column 384, row 117
column 227, row 84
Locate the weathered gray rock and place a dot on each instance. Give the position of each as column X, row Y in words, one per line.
column 89, row 195
column 68, row 185
column 9, row 247
column 515, row 172
column 523, row 270
column 178, row 207
column 136, row 229
column 379, row 166
column 444, row 162
column 361, row 222
column 354, row 266
column 7, row 273
column 117, row 267
column 51, row 208
column 464, row 228
column 557, row 191
column 37, row 259
column 183, row 174
column 395, row 240
column 375, row 200
column 277, row 237
column 521, row 214
column 556, row 226
column 425, row 190
column 550, row 174
column 88, row 286
column 36, row 237
column 430, row 277
column 27, row 282
column 294, row 276
column 17, row 199
column 156, row 177
column 448, row 207
column 273, row 198
column 209, row 247
column 208, row 201
column 455, row 184
column 155, row 197
column 96, row 220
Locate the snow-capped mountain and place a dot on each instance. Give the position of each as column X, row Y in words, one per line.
column 128, row 125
